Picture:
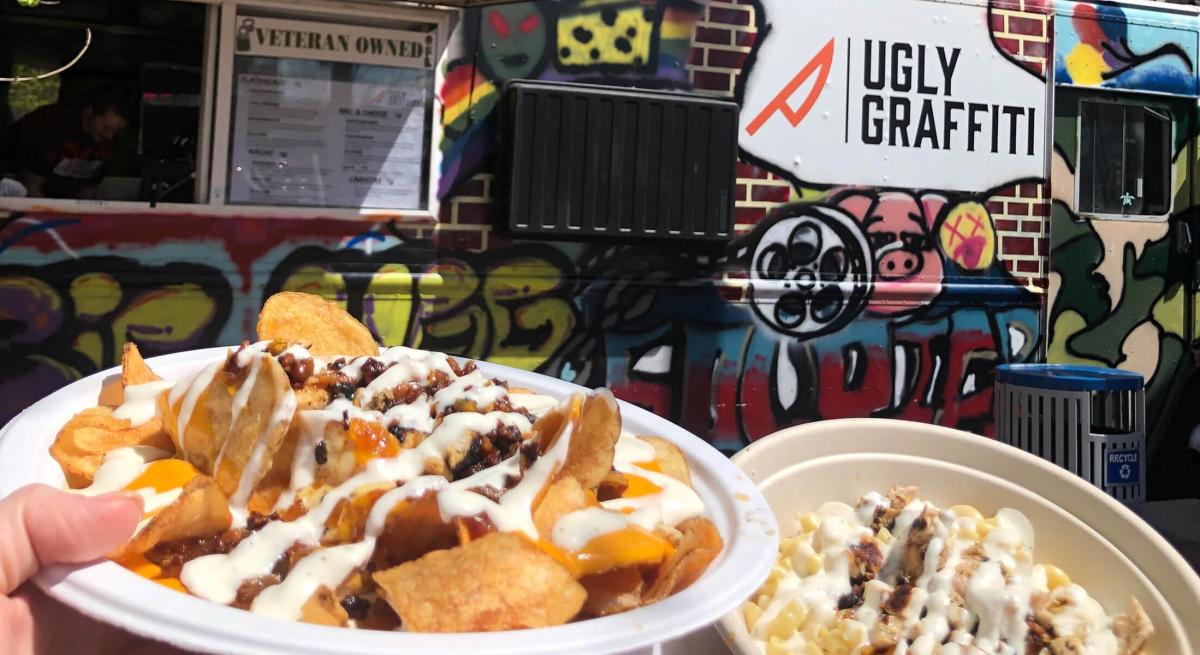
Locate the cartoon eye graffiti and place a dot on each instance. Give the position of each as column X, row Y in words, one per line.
column 811, row 272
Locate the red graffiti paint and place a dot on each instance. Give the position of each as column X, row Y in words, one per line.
column 496, row 20
column 819, row 65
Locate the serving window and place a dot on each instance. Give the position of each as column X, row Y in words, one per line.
column 1124, row 159
column 288, row 108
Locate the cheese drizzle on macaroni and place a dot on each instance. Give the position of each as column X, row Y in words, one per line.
column 901, row 576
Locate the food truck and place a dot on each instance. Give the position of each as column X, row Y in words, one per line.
column 783, row 211
column 596, row 326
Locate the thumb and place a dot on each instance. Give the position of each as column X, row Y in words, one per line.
column 41, row 526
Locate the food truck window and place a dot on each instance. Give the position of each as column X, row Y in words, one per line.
column 1124, row 160
column 119, row 119
column 331, row 113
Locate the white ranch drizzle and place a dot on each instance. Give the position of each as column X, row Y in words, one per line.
column 152, row 502
column 405, row 365
column 190, row 390
column 139, row 405
column 533, row 403
column 119, row 467
column 472, row 387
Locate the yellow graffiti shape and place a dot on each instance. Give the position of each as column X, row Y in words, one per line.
column 606, row 37
column 91, row 346
column 95, row 294
column 968, row 236
column 388, row 303
column 517, row 295
column 33, row 303
column 1086, row 65
column 445, row 286
column 319, row 281
column 445, row 291
column 1068, row 324
column 172, row 315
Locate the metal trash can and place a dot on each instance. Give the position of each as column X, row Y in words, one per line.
column 1088, row 420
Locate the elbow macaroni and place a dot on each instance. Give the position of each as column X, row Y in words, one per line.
column 828, row 594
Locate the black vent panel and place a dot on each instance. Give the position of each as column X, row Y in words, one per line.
column 582, row 160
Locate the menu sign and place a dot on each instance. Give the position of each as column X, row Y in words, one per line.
column 355, row 138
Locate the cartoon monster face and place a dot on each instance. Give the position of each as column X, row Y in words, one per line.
column 811, row 271
column 513, row 41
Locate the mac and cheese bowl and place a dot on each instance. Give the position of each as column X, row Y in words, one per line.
column 1063, row 564
column 117, row 595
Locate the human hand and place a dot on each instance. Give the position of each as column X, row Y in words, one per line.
column 41, row 526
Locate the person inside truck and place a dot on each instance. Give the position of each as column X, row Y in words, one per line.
column 61, row 151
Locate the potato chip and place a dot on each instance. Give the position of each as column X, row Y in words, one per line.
column 134, row 369
column 551, row 424
column 228, row 433
column 348, row 521
column 83, row 442
column 594, row 440
column 316, row 323
column 414, row 528
column 323, row 608
column 670, row 459
column 201, row 509
column 698, row 547
column 279, row 474
column 278, row 477
column 112, row 393
column 498, row 582
column 613, row 592
column 561, row 497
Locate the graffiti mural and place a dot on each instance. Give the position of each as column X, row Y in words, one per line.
column 872, row 297
column 660, row 328
column 625, row 43
column 61, row 321
column 1115, row 47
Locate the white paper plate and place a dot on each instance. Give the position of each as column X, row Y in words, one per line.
column 1100, row 543
column 110, row 593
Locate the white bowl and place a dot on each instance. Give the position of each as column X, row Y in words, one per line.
column 1100, row 543
column 112, row 594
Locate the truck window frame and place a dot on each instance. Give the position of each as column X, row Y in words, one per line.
column 214, row 135
column 1125, row 100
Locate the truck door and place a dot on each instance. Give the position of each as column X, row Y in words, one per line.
column 1122, row 280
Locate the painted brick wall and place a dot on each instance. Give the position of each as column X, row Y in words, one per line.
column 1022, row 215
column 723, row 38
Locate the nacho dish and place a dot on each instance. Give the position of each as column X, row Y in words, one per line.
column 313, row 476
column 896, row 574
